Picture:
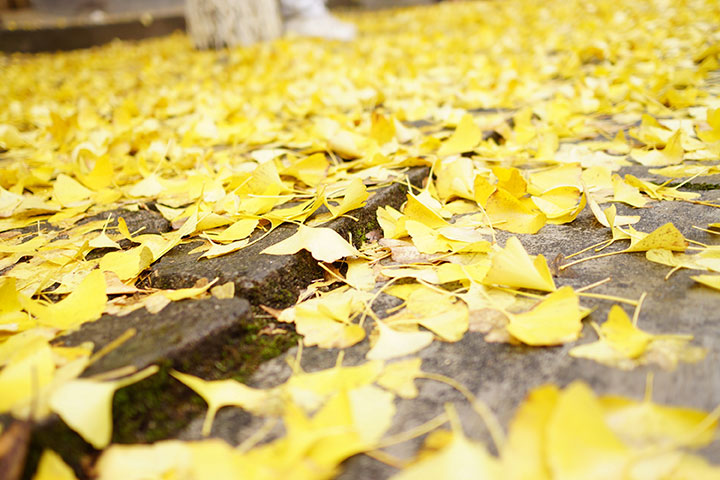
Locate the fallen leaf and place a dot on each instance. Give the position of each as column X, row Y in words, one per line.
column 324, row 244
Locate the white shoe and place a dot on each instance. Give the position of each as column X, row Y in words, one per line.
column 323, row 26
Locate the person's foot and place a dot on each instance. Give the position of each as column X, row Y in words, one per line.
column 321, row 26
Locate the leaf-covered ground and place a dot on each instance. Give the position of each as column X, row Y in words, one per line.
column 525, row 112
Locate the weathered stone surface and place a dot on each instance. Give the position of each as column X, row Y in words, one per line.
column 195, row 336
column 271, row 279
column 145, row 221
column 501, row 375
column 186, row 332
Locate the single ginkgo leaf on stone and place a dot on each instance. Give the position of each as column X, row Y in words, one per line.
column 625, row 346
column 85, row 405
column 553, row 321
column 52, row 467
column 399, row 377
column 355, row 196
column 523, row 456
column 324, row 244
column 508, row 213
column 393, row 343
column 84, row 304
column 513, row 267
column 579, row 444
column 223, row 393
column 191, row 292
column 218, row 250
column 675, row 260
column 127, row 264
column 626, row 193
column 666, row 237
column 103, row 241
column 465, row 138
column 712, row 281
column 239, row 230
column 461, row 458
column 644, row 423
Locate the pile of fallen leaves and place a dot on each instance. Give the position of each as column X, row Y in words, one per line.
column 524, row 112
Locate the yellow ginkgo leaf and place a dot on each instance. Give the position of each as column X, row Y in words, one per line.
column 644, row 423
column 393, row 343
column 68, row 191
column 399, row 377
column 459, row 459
column 439, row 313
column 507, row 213
column 183, row 293
column 84, row 304
column 355, row 196
column 513, row 267
column 466, row 137
column 666, row 237
column 91, row 417
column 523, row 454
column 223, row 393
column 127, row 264
column 510, row 180
column 324, row 244
column 579, row 443
column 672, row 154
column 30, row 368
column 220, row 250
column 625, row 346
column 10, row 137
column 426, row 239
column 237, row 231
column 360, row 274
column 8, row 202
column 150, row 186
column 103, row 241
column 627, row 193
column 52, row 467
column 561, row 204
column 161, row 460
column 310, row 170
column 392, row 222
column 712, row 281
column 101, row 176
column 455, row 179
column 553, row 321
column 328, row 333
column 425, row 209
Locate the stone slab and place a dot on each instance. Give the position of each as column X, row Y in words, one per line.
column 274, row 280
